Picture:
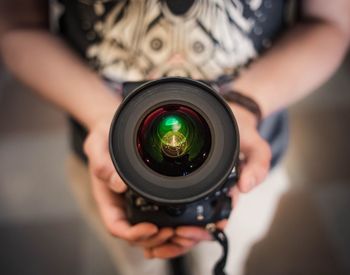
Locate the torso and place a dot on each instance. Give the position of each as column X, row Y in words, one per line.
column 129, row 40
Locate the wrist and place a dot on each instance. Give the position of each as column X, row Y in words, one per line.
column 246, row 85
column 102, row 117
column 243, row 102
column 102, row 112
column 242, row 114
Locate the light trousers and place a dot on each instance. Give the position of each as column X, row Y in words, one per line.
column 248, row 223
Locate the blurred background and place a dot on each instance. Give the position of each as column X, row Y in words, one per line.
column 309, row 235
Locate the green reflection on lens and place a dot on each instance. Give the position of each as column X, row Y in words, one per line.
column 172, row 133
column 171, row 121
column 174, row 140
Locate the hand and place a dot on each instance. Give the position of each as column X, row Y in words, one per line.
column 255, row 167
column 254, row 151
column 185, row 238
column 107, row 187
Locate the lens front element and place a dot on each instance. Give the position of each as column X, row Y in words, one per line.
column 174, row 140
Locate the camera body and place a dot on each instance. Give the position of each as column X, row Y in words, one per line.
column 175, row 143
column 214, row 207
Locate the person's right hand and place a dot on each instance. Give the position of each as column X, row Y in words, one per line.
column 107, row 187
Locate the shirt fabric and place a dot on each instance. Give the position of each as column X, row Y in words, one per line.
column 133, row 40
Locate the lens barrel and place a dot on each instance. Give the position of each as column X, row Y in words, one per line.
column 174, row 140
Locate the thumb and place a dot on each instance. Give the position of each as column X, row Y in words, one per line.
column 257, row 163
column 116, row 183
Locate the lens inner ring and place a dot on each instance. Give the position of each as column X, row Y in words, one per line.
column 174, row 140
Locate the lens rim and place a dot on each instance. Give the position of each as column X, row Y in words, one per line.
column 163, row 189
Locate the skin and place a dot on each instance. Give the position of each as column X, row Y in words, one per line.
column 300, row 61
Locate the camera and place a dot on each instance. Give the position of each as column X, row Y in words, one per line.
column 175, row 143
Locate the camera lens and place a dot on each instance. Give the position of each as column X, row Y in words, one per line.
column 174, row 140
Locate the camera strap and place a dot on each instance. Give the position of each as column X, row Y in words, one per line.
column 221, row 238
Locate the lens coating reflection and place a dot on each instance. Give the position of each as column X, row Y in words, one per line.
column 174, row 140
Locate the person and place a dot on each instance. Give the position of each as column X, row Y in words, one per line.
column 96, row 45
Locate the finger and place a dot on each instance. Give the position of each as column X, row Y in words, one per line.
column 136, row 233
column 258, row 156
column 102, row 167
column 221, row 224
column 116, row 183
column 96, row 148
column 158, row 239
column 193, row 232
column 184, row 242
column 234, row 193
column 111, row 208
column 168, row 250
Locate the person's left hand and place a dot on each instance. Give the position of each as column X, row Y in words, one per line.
column 254, row 169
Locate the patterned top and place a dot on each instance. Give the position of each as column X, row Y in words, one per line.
column 131, row 40
column 147, row 39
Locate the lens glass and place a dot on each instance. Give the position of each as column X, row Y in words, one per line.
column 174, row 140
